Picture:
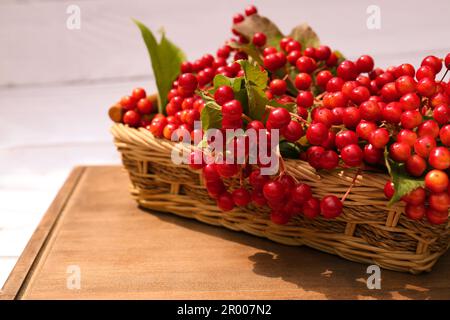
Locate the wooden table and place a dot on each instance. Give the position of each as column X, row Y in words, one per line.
column 120, row 251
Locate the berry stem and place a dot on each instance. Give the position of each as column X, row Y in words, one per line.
column 358, row 172
column 443, row 77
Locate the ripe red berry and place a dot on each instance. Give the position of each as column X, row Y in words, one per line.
column 335, row 84
column 323, row 77
column 351, row 117
column 425, row 72
column 317, row 133
column 364, row 129
column 400, row 151
column 232, row 110
column 416, row 165
column 188, row 81
column 347, row 70
column 372, row 155
column 210, row 173
column 442, row 114
column 329, row 160
column 238, row 18
column 392, row 112
column 241, row 197
column 411, row 119
column 379, row 138
column 410, row 101
column 407, row 136
column 305, row 99
column 293, row 46
column 332, row 60
column 359, row 94
column 293, row 131
column 370, row 110
column 250, row 10
column 439, row 201
column 279, row 217
column 405, row 84
column 223, row 94
column 345, row 138
column 433, row 62
column 415, row 197
column 428, row 128
column 311, row 208
column 364, row 63
column 301, row 193
column 424, row 145
column 259, row 39
column 131, row 118
column 279, row 118
column 128, row 102
column 322, row 52
column 278, row 87
column 303, row 81
column 138, row 94
column 436, row 181
column 306, row 64
column 439, row 158
column 352, row 155
column 426, row 87
column 331, row 206
column 225, row 201
column 415, row 212
column 145, row 106
column 436, row 217
column 273, row 191
column 444, row 135
column 389, row 189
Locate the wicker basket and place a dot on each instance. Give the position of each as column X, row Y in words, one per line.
column 368, row 231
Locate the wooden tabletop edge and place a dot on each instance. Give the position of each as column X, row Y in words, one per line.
column 23, row 268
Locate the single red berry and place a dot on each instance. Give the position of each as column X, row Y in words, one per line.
column 436, row 217
column 415, row 212
column 359, row 94
column 293, row 131
column 317, row 133
column 433, row 62
column 425, row 72
column 293, row 46
column 279, row 118
column 210, row 173
column 411, row 119
column 352, row 155
column 392, row 112
column 405, row 69
column 428, row 128
column 306, row 64
column 347, row 70
column 310, row 52
column 447, row 61
column 223, row 94
column 389, row 189
column 345, row 138
column 279, row 217
column 426, row 87
column 370, row 110
column 424, row 145
column 250, row 10
column 332, row 60
column 311, row 208
column 416, row 165
column 334, row 84
column 329, row 160
column 364, row 63
column 259, row 39
column 439, row 158
column 238, row 18
column 278, row 87
column 301, row 193
column 131, row 118
column 128, row 102
column 331, row 207
column 232, row 110
column 372, row 155
column 138, row 94
column 436, row 181
column 323, row 77
column 303, row 81
column 145, row 106
column 439, row 201
column 241, row 197
column 415, row 197
column 323, row 53
column 407, row 136
column 273, row 191
column 389, row 92
column 444, row 135
column 225, row 201
column 400, row 151
column 351, row 117
column 405, row 84
column 442, row 114
column 379, row 138
column 188, row 81
column 364, row 129
column 305, row 99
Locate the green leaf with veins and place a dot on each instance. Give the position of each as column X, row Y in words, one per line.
column 256, row 23
column 211, row 116
column 304, row 34
column 403, row 182
column 166, row 59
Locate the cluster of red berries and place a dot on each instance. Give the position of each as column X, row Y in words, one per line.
column 348, row 114
column 137, row 108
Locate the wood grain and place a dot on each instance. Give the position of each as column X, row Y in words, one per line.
column 125, row 252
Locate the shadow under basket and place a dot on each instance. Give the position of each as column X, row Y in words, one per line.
column 367, row 231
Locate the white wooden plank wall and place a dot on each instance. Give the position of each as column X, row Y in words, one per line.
column 56, row 84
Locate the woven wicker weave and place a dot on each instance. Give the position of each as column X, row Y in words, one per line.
column 368, row 231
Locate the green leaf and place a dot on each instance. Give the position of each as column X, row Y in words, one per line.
column 211, row 116
column 234, row 83
column 403, row 182
column 166, row 60
column 255, row 83
column 256, row 23
column 304, row 34
column 289, row 150
column 291, row 107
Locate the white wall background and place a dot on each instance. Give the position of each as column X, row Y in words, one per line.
column 56, row 84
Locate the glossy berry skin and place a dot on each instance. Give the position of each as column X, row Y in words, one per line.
column 301, row 193
column 259, row 39
column 322, row 52
column 416, row 165
column 442, row 114
column 415, row 197
column 279, row 118
column 415, row 212
column 444, row 135
column 331, row 207
column 138, row 94
column 303, row 81
column 250, row 10
column 238, row 18
column 389, row 189
column 364, row 63
column 223, row 94
column 426, row 87
column 424, row 145
column 317, row 133
column 352, row 155
column 305, row 99
column 329, row 160
column 241, row 197
column 433, row 62
column 372, row 155
column 188, row 81
column 392, row 112
column 428, row 128
column 131, row 118
column 347, row 70
column 410, row 101
column 210, row 173
column 411, row 119
column 145, row 106
column 345, row 138
column 405, row 84
column 225, row 202
column 400, row 151
column 232, row 110
column 436, row 181
column 425, row 72
column 293, row 131
column 439, row 201
column 128, row 102
column 323, row 77
column 439, row 158
column 306, row 64
column 273, row 191
column 407, row 136
column 311, row 208
column 279, row 217
column 370, row 111
column 278, row 87
column 364, row 129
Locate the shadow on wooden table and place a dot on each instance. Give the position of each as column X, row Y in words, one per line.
column 324, row 275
